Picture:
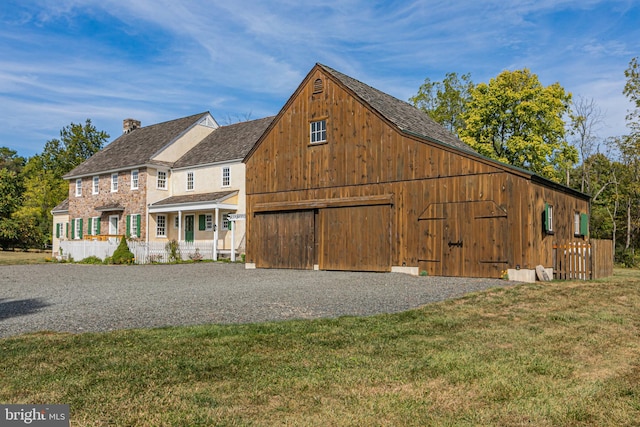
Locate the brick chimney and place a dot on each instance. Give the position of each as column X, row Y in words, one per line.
column 129, row 125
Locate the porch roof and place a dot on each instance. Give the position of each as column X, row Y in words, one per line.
column 194, row 202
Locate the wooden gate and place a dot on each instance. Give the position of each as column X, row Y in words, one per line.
column 581, row 260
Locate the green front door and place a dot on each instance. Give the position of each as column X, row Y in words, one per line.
column 188, row 228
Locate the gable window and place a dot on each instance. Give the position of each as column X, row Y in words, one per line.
column 96, row 185
column 548, row 219
column 161, row 226
column 226, row 176
column 189, row 181
column 318, row 131
column 134, row 179
column 78, row 187
column 114, row 182
column 161, row 182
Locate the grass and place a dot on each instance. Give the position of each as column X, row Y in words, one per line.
column 560, row 353
column 21, row 257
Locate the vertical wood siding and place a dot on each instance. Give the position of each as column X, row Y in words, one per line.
column 495, row 211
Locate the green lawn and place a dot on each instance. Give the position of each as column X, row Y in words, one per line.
column 561, row 353
column 21, row 257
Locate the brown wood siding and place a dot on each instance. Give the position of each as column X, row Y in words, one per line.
column 365, row 157
column 286, row 239
column 355, row 238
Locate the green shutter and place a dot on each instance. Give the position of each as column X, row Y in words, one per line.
column 80, row 234
column 584, row 224
column 73, row 229
column 128, row 225
column 89, row 229
column 66, row 230
column 548, row 218
column 58, row 231
column 202, row 222
column 138, row 218
column 98, row 219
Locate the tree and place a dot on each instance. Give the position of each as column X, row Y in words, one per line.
column 585, row 117
column 518, row 121
column 445, row 101
column 43, row 182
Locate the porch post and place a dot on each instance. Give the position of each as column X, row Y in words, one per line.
column 233, row 240
column 179, row 225
column 215, row 236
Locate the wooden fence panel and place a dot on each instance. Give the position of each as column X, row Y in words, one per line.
column 583, row 260
column 602, row 258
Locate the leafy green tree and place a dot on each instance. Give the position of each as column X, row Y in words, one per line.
column 585, row 118
column 44, row 186
column 10, row 160
column 518, row 121
column 445, row 101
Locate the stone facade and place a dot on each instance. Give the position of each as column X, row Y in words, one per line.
column 134, row 201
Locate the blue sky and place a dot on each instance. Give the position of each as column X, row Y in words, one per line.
column 65, row 61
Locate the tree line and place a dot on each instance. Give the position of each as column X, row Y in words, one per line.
column 31, row 188
column 515, row 119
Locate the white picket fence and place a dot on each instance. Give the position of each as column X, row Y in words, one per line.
column 144, row 253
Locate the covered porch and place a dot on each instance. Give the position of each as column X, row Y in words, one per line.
column 198, row 218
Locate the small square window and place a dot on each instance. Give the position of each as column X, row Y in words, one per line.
column 114, row 182
column 318, row 131
column 134, row 179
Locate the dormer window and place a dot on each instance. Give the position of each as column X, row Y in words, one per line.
column 318, row 132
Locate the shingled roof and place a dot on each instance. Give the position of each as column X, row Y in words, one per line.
column 136, row 147
column 404, row 115
column 230, row 142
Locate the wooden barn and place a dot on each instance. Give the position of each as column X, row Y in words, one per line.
column 347, row 177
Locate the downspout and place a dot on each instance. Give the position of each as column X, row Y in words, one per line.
column 215, row 236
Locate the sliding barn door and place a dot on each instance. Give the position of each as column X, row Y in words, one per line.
column 285, row 239
column 355, row 238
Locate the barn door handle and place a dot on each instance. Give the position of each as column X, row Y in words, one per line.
column 458, row 244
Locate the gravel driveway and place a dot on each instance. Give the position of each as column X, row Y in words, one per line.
column 81, row 298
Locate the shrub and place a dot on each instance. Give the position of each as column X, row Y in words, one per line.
column 91, row 260
column 122, row 254
column 195, row 257
column 173, row 250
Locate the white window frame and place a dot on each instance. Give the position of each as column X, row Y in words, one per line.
column 318, row 131
column 161, row 180
column 135, row 177
column 576, row 224
column 176, row 221
column 79, row 187
column 96, row 185
column 161, row 226
column 190, row 180
column 133, row 225
column 114, row 182
column 208, row 222
column 78, row 226
column 95, row 224
column 226, row 176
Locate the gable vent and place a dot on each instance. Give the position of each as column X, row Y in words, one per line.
column 318, row 86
